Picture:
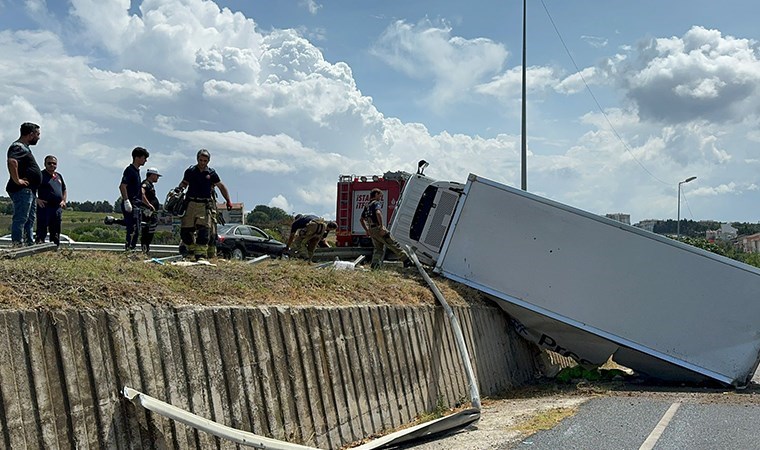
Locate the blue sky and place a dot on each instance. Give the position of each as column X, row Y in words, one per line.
column 289, row 94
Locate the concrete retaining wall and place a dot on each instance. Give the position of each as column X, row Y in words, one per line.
column 317, row 376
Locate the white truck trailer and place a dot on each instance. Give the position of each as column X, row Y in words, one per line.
column 586, row 286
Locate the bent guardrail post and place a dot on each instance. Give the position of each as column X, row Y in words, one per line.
column 454, row 421
column 474, row 392
column 209, row 426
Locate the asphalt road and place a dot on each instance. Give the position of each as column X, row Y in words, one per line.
column 647, row 423
column 618, row 416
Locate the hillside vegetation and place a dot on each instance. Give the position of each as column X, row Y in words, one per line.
column 69, row 279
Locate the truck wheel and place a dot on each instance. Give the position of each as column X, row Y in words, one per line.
column 237, row 254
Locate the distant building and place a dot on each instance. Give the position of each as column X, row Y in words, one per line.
column 647, row 225
column 725, row 233
column 234, row 215
column 751, row 243
column 620, row 217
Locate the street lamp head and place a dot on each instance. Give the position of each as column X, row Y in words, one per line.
column 689, row 179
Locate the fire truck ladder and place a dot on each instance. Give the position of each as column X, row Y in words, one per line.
column 344, row 204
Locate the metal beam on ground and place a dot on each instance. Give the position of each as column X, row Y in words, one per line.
column 209, row 426
column 20, row 252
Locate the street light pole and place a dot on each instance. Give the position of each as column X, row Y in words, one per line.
column 524, row 133
column 678, row 223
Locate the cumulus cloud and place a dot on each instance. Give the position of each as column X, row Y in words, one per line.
column 700, row 75
column 509, row 83
column 281, row 202
column 426, row 50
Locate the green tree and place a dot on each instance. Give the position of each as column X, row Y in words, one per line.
column 257, row 218
column 263, row 215
column 745, row 229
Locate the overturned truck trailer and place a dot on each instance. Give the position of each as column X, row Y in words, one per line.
column 586, row 286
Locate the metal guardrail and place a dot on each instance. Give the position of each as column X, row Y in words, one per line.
column 155, row 250
column 159, row 251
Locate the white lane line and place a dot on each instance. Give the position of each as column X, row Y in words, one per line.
column 654, row 436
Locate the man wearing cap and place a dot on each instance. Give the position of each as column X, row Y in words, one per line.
column 150, row 209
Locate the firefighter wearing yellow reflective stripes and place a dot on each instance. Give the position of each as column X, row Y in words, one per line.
column 372, row 222
column 310, row 235
column 196, row 225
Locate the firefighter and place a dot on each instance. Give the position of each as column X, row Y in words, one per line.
column 299, row 223
column 150, row 209
column 196, row 225
column 372, row 222
column 306, row 233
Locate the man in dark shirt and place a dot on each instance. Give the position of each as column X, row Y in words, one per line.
column 299, row 223
column 308, row 232
column 150, row 209
column 22, row 186
column 51, row 199
column 372, row 222
column 196, row 226
column 132, row 196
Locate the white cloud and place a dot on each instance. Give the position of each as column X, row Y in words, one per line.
column 701, row 75
column 281, row 202
column 425, row 50
column 509, row 83
column 595, row 41
column 312, row 6
column 577, row 82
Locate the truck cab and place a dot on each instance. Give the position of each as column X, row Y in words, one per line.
column 423, row 215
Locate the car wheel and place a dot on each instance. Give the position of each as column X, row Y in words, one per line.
column 237, row 254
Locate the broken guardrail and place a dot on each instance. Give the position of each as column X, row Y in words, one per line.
column 20, row 252
column 222, row 431
column 448, row 423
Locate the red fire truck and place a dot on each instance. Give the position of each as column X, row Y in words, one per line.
column 353, row 196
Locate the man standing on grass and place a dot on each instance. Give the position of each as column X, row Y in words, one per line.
column 196, row 226
column 22, row 186
column 51, row 200
column 132, row 196
column 150, row 209
column 372, row 222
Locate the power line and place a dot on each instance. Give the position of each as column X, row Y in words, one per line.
column 598, row 105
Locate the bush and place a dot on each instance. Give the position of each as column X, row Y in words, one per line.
column 94, row 233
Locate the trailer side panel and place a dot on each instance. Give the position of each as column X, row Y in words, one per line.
column 646, row 293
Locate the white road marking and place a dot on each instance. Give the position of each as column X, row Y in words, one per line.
column 654, row 436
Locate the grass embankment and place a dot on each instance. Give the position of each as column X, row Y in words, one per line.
column 67, row 279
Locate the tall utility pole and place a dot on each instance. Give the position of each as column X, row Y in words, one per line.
column 524, row 160
column 678, row 223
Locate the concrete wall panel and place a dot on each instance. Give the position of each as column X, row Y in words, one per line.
column 318, row 376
